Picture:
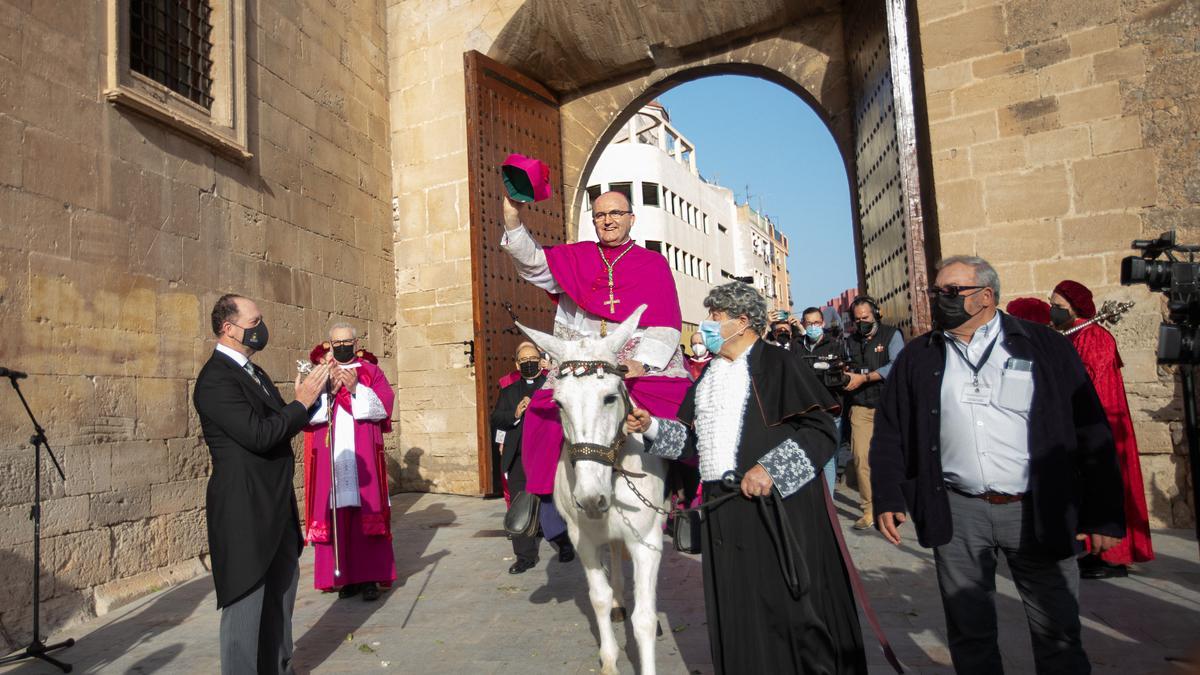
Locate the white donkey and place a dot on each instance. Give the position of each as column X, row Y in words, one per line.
column 599, row 504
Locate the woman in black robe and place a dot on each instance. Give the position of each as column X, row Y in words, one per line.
column 755, row 413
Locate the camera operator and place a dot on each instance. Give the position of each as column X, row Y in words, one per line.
column 871, row 349
column 817, row 346
column 781, row 333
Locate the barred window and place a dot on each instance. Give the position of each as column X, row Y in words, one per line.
column 170, row 41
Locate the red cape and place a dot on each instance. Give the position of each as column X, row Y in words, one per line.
column 1098, row 350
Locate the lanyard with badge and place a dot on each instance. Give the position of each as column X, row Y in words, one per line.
column 975, row 393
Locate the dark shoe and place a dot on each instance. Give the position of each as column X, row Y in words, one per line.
column 349, row 591
column 1091, row 561
column 1104, row 572
column 522, row 566
column 371, row 593
column 566, row 552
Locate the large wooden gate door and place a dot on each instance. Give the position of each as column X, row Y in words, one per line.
column 891, row 219
column 506, row 112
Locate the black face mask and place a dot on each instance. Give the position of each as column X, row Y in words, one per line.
column 1060, row 316
column 256, row 338
column 530, row 369
column 950, row 312
column 864, row 328
column 343, row 353
column 782, row 336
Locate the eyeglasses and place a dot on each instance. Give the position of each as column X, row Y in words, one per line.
column 599, row 216
column 528, row 361
column 952, row 291
column 808, row 324
column 343, row 343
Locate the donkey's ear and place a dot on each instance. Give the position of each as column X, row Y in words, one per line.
column 617, row 339
column 547, row 342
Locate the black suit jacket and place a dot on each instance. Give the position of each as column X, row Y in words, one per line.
column 251, row 503
column 504, row 418
column 1074, row 480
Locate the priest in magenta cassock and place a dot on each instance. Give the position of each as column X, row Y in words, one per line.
column 362, row 414
column 596, row 285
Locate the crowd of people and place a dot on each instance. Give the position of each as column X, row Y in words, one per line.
column 993, row 434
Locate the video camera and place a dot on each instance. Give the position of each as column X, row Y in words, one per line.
column 830, row 369
column 1179, row 280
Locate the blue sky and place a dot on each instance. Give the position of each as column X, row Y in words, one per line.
column 752, row 132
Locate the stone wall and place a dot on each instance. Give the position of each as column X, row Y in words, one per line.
column 1060, row 132
column 119, row 233
column 426, row 84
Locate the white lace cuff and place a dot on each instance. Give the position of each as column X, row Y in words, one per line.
column 366, row 406
column 789, row 467
column 668, row 440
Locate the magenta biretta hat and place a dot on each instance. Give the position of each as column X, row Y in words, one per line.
column 526, row 179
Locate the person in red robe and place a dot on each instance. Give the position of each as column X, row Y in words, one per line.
column 699, row 358
column 1072, row 306
column 355, row 472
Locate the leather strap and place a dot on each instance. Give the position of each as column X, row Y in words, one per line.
column 860, row 593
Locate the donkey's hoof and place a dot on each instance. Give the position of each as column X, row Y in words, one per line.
column 617, row 614
column 657, row 629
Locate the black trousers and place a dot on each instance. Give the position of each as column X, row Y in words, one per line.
column 525, row 548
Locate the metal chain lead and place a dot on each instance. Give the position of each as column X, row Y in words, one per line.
column 639, row 495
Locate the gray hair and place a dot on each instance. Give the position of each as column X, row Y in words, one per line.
column 343, row 324
column 985, row 274
column 735, row 299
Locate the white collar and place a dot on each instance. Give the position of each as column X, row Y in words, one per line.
column 238, row 357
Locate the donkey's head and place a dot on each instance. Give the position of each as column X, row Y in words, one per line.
column 592, row 404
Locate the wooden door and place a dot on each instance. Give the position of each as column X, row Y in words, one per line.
column 506, row 112
column 891, row 218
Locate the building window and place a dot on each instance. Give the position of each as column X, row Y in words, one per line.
column 650, row 194
column 182, row 63
column 593, row 191
column 171, row 43
column 624, row 188
column 722, row 229
column 655, row 246
column 704, row 219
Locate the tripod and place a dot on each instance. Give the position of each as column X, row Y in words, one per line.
column 37, row 649
column 1193, row 433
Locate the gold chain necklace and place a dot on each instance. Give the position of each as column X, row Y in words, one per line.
column 612, row 301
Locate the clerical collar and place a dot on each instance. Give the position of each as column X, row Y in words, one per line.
column 238, row 357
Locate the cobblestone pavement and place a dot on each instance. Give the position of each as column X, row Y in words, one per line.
column 455, row 609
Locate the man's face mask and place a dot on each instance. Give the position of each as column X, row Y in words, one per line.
column 530, row 369
column 255, row 337
column 864, row 327
column 1060, row 316
column 783, row 335
column 343, row 353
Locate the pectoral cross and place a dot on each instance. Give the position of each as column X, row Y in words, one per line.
column 612, row 302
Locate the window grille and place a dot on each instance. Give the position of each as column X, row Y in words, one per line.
column 170, row 41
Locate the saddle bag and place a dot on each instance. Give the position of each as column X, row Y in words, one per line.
column 685, row 530
column 522, row 517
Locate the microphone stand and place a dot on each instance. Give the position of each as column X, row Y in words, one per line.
column 37, row 649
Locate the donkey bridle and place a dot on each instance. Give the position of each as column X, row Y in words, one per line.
column 595, row 452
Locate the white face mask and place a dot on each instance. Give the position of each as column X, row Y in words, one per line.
column 699, row 350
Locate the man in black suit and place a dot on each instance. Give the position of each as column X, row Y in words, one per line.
column 506, row 431
column 253, row 524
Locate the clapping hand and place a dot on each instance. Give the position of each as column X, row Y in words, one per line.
column 310, row 387
column 345, row 377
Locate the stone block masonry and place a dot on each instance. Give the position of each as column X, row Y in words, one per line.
column 1062, row 132
column 120, row 232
